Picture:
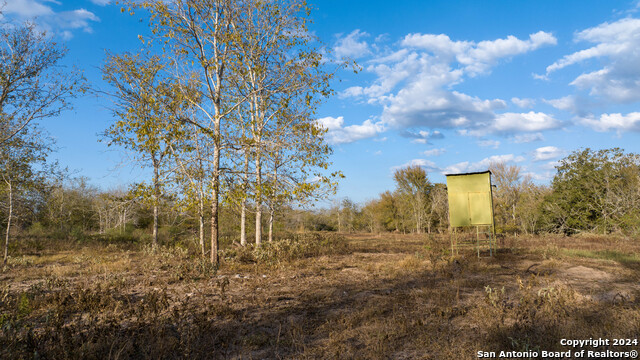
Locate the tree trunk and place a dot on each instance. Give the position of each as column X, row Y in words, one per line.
column 271, row 225
column 274, row 200
column 156, row 198
column 258, row 198
column 243, row 223
column 214, row 202
column 201, row 223
column 214, row 223
column 155, row 224
column 6, row 240
column 243, row 205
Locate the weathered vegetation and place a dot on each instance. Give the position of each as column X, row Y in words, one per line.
column 317, row 296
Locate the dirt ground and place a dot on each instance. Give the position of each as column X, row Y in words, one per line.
column 379, row 297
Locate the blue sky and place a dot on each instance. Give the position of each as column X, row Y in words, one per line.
column 448, row 85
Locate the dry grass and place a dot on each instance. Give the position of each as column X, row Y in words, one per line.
column 318, row 296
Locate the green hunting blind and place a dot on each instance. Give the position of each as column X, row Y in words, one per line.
column 471, row 205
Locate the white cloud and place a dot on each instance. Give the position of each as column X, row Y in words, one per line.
column 26, row 8
column 435, row 152
column 101, row 2
column 427, row 164
column 616, row 43
column 489, row 143
column 422, row 136
column 339, row 134
column 551, row 165
column 529, row 122
column 523, row 103
column 477, row 57
column 513, row 123
column 567, row 103
column 414, row 83
column 546, row 176
column 76, row 19
column 481, row 165
column 546, row 153
column 331, row 123
column 61, row 23
column 616, row 121
column 351, row 46
column 527, row 138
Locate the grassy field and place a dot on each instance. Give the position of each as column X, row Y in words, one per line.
column 318, row 296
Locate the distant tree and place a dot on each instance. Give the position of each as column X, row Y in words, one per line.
column 529, row 212
column 507, row 195
column 389, row 211
column 439, row 210
column 594, row 191
column 412, row 183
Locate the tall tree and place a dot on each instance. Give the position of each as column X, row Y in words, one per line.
column 198, row 36
column 279, row 72
column 145, row 103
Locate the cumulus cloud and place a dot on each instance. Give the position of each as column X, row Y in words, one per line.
column 76, row 19
column 513, row 123
column 530, row 122
column 26, row 8
column 435, row 152
column 546, row 153
column 414, row 84
column 422, row 136
column 427, row 164
column 466, row 166
column 523, row 103
column 616, row 44
column 489, row 143
column 551, row 165
column 61, row 23
column 477, row 57
column 351, row 45
column 567, row 103
column 527, row 138
column 546, row 176
column 337, row 133
column 616, row 121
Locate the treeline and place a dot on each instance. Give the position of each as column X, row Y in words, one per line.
column 592, row 191
column 74, row 209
